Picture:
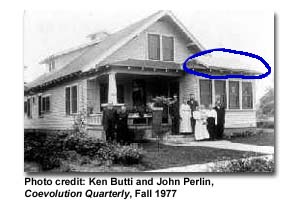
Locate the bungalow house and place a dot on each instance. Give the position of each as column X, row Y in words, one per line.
column 130, row 67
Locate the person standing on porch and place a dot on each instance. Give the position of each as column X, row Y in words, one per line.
column 174, row 111
column 220, row 109
column 211, row 122
column 193, row 105
column 200, row 116
column 185, row 117
column 109, row 122
column 123, row 135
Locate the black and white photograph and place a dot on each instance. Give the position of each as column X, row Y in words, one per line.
column 121, row 91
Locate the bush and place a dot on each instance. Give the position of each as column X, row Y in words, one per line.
column 260, row 164
column 52, row 150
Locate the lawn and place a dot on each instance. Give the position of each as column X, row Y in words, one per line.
column 265, row 137
column 172, row 156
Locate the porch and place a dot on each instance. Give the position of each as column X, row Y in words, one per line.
column 135, row 90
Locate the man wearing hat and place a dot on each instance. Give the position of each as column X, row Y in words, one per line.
column 174, row 111
column 193, row 105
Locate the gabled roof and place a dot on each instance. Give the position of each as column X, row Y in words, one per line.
column 95, row 54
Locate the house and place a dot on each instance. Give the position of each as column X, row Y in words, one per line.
column 130, row 67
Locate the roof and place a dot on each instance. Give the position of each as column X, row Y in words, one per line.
column 148, row 64
column 95, row 53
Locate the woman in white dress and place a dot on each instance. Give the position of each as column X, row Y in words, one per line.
column 185, row 118
column 200, row 116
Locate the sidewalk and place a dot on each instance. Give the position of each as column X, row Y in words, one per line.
column 207, row 167
column 224, row 144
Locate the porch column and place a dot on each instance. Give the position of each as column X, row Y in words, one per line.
column 112, row 88
column 213, row 93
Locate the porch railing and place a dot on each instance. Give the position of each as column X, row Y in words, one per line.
column 94, row 119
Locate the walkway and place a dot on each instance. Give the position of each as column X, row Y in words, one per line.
column 207, row 167
column 224, row 144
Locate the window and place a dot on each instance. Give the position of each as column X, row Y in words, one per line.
column 25, row 107
column 40, row 105
column 205, row 92
column 247, row 102
column 234, row 95
column 45, row 104
column 28, row 108
column 67, row 99
column 220, row 90
column 71, row 102
column 120, row 93
column 168, row 48
column 74, row 99
column 154, row 47
column 103, row 93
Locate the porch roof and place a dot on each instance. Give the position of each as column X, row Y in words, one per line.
column 155, row 64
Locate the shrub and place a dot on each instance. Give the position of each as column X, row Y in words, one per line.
column 259, row 164
column 127, row 154
column 53, row 150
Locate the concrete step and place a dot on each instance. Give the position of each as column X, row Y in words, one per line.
column 180, row 138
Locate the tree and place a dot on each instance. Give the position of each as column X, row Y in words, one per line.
column 266, row 106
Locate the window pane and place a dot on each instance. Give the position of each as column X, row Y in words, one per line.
column 74, row 99
column 40, row 106
column 28, row 108
column 205, row 92
column 168, row 48
column 43, row 104
column 25, row 106
column 67, row 98
column 220, row 88
column 234, row 95
column 120, row 93
column 153, row 47
column 47, row 106
column 247, row 95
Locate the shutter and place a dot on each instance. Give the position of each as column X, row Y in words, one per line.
column 74, row 99
column 67, row 100
column 40, row 105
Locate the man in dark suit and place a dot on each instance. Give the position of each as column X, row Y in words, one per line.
column 109, row 122
column 193, row 105
column 123, row 135
column 220, row 109
column 174, row 111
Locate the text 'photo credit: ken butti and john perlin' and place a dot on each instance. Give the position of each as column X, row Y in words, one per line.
column 152, row 91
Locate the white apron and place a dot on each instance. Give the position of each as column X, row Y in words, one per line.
column 185, row 122
column 201, row 132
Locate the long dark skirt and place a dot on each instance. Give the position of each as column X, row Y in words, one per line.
column 211, row 127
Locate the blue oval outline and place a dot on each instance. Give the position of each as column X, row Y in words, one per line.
column 251, row 55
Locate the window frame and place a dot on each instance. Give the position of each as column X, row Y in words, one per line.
column 252, row 95
column 162, row 47
column 211, row 91
column 148, row 50
column 70, row 100
column 161, row 54
column 238, row 94
column 44, row 110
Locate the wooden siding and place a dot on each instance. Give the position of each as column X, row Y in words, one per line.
column 56, row 118
column 137, row 48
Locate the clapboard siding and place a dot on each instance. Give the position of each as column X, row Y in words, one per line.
column 240, row 119
column 137, row 48
column 56, row 118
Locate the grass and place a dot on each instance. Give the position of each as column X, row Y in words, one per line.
column 262, row 138
column 172, row 156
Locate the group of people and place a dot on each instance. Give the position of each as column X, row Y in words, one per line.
column 206, row 123
column 115, row 124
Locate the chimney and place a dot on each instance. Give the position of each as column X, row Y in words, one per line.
column 99, row 36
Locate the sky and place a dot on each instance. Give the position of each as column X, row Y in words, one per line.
column 48, row 32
